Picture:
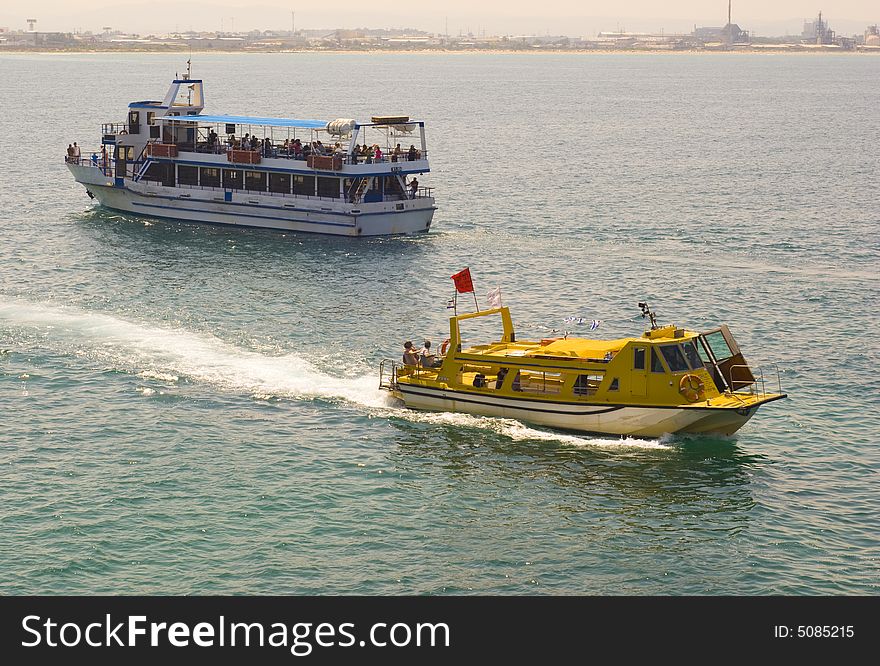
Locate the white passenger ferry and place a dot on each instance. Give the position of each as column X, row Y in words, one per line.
column 340, row 177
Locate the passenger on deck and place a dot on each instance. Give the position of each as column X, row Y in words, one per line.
column 499, row 380
column 355, row 153
column 428, row 358
column 297, row 149
column 414, row 187
column 70, row 152
column 76, row 153
column 410, row 357
column 396, row 153
column 369, row 154
column 378, row 153
column 411, row 154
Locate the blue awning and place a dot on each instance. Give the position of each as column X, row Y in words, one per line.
column 249, row 120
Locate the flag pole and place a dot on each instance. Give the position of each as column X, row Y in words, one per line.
column 476, row 305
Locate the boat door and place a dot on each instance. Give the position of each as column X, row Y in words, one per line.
column 638, row 379
column 724, row 361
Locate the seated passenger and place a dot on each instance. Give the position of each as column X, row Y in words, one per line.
column 410, row 357
column 427, row 357
column 499, row 380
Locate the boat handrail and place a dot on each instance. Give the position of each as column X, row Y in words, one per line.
column 278, row 152
column 751, row 386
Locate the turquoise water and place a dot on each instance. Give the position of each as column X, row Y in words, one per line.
column 194, row 410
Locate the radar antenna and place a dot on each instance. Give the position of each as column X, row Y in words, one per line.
column 649, row 313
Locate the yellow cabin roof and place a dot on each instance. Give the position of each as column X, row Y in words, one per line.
column 580, row 347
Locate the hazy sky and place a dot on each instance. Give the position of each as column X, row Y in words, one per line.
column 570, row 17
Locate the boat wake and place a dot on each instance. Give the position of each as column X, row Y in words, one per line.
column 162, row 354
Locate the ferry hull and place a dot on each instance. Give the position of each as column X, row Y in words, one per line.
column 599, row 419
column 247, row 209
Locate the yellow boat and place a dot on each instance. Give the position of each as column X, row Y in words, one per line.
column 669, row 380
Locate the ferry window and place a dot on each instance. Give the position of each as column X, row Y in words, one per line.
column 656, row 365
column 187, row 175
column 150, row 116
column 615, row 384
column 210, row 177
column 328, row 187
column 155, row 132
column 718, row 345
column 255, row 181
column 279, row 182
column 134, row 122
column 691, row 353
column 674, row 358
column 639, row 358
column 531, row 381
column 159, row 172
column 587, row 384
column 232, row 179
column 304, row 185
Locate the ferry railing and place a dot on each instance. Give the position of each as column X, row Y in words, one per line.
column 94, row 159
column 278, row 152
column 114, row 128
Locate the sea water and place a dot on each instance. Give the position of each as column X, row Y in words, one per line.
column 190, row 409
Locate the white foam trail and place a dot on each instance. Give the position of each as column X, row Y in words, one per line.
column 518, row 431
column 166, row 354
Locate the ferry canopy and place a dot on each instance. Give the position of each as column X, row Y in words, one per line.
column 248, row 120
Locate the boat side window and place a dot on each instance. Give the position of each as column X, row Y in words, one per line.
column 279, row 182
column 615, row 384
column 656, row 365
column 232, row 179
column 255, row 181
column 159, row 172
column 151, row 115
column 134, row 122
column 328, row 187
column 638, row 358
column 209, row 177
column 187, row 175
column 587, row 384
column 533, row 381
column 690, row 352
column 674, row 358
column 304, row 185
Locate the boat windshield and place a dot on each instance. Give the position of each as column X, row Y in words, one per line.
column 674, row 358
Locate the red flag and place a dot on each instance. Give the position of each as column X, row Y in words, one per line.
column 463, row 282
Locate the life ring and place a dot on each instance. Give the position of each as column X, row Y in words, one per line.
column 691, row 387
column 444, row 347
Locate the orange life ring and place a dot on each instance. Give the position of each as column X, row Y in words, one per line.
column 444, row 347
column 691, row 387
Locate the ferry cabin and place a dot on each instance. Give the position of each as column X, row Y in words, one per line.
column 170, row 160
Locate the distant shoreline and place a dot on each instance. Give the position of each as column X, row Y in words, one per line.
column 771, row 49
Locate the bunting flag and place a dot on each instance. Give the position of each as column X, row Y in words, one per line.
column 494, row 297
column 463, row 282
column 580, row 321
